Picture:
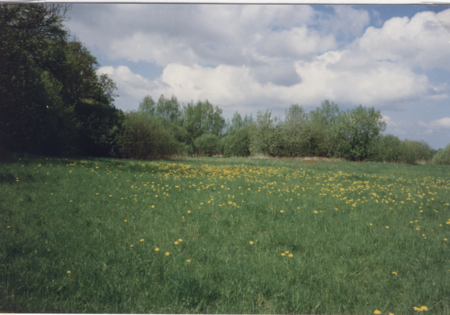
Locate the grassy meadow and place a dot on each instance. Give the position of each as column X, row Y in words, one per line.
column 215, row 235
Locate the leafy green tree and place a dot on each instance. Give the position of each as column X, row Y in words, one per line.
column 295, row 117
column 91, row 97
column 147, row 106
column 52, row 100
column 326, row 114
column 353, row 132
column 27, row 34
column 144, row 136
column 238, row 122
column 237, row 143
column 294, row 134
column 321, row 134
column 262, row 133
column 202, row 118
column 168, row 109
column 386, row 148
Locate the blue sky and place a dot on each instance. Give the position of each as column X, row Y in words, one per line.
column 249, row 58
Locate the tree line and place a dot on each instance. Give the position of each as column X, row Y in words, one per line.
column 53, row 102
column 327, row 131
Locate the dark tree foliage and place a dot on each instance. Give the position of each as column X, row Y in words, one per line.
column 27, row 34
column 52, row 101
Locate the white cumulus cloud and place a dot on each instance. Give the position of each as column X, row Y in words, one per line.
column 437, row 124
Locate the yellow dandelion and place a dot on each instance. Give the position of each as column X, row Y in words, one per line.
column 287, row 252
column 291, row 255
column 251, row 242
column 315, row 211
column 394, row 273
column 68, row 271
column 70, row 200
column 125, row 220
column 176, row 242
column 377, row 312
column 281, row 211
column 157, row 249
column 131, row 246
column 8, row 227
column 370, row 223
column 188, row 260
column 283, row 254
column 180, row 240
column 424, row 308
column 142, row 239
column 444, row 238
column 167, row 253
column 189, row 211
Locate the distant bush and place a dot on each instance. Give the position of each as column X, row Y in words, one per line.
column 422, row 149
column 187, row 150
column 180, row 133
column 145, row 136
column 442, row 157
column 386, row 148
column 407, row 153
column 207, row 144
column 237, row 143
column 389, row 148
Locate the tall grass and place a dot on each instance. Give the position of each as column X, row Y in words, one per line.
column 223, row 236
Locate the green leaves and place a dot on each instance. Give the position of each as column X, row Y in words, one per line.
column 53, row 102
column 147, row 106
column 354, row 130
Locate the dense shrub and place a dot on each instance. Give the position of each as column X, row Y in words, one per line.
column 442, row 157
column 180, row 133
column 354, row 131
column 145, row 136
column 407, row 153
column 98, row 128
column 187, row 150
column 296, row 141
column 389, row 148
column 422, row 149
column 237, row 143
column 207, row 144
column 386, row 148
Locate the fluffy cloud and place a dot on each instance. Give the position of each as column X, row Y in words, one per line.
column 422, row 41
column 400, row 128
column 437, row 124
column 229, row 85
column 132, row 87
column 283, row 54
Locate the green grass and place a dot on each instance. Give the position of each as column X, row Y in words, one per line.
column 100, row 219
